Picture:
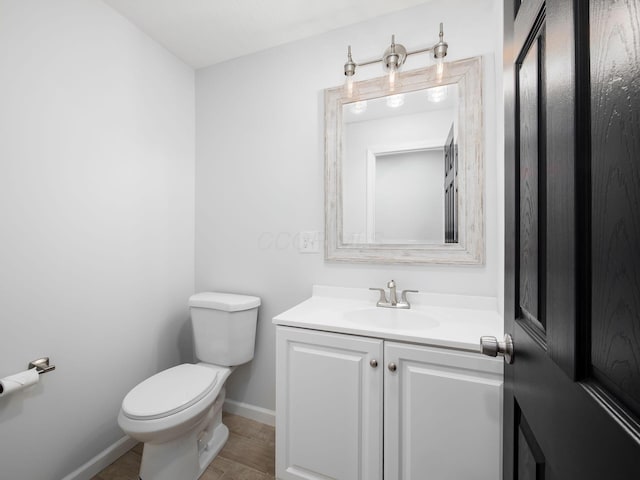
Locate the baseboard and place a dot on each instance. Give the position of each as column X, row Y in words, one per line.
column 103, row 459
column 253, row 412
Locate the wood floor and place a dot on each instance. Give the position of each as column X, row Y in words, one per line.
column 249, row 454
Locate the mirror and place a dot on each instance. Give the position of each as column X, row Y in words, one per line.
column 396, row 196
column 404, row 171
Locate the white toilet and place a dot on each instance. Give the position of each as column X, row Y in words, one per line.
column 177, row 413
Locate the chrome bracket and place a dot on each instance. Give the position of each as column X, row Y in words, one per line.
column 41, row 365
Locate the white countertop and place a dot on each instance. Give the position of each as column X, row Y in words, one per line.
column 462, row 320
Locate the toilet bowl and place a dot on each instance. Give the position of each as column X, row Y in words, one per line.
column 177, row 413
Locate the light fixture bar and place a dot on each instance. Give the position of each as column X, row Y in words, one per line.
column 394, row 57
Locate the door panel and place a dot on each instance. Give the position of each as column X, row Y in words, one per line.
column 531, row 463
column 530, row 103
column 615, row 107
column 572, row 172
column 451, row 189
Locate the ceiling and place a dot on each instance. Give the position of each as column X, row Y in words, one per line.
column 205, row 32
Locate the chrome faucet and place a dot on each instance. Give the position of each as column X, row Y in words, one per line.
column 393, row 299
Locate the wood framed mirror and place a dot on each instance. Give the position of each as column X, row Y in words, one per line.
column 404, row 169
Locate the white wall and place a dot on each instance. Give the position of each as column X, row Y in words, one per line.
column 96, row 224
column 260, row 169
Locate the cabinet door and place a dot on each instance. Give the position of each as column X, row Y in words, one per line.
column 442, row 414
column 329, row 406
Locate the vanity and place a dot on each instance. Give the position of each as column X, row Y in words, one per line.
column 372, row 393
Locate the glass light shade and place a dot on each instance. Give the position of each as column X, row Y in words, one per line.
column 439, row 69
column 393, row 79
column 349, row 86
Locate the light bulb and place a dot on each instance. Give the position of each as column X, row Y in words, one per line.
column 348, row 86
column 393, row 78
column 439, row 69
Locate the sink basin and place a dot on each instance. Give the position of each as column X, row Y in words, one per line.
column 390, row 318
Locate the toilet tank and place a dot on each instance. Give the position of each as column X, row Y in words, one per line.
column 224, row 327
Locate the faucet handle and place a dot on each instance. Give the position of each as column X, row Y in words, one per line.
column 383, row 295
column 404, row 295
column 391, row 284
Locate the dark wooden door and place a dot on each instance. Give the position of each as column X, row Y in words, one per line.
column 450, row 189
column 572, row 239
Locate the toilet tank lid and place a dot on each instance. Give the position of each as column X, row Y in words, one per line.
column 229, row 302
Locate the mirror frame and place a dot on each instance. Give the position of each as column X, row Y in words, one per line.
column 469, row 250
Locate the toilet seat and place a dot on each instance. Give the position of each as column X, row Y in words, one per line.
column 170, row 391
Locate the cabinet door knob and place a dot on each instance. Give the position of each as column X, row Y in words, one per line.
column 492, row 347
column 373, row 363
column 392, row 367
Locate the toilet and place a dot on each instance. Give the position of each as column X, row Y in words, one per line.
column 177, row 413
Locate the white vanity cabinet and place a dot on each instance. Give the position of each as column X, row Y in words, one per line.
column 352, row 407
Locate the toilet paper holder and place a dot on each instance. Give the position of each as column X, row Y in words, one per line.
column 41, row 365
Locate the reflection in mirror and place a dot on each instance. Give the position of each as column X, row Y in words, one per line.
column 407, row 203
column 404, row 170
column 394, row 187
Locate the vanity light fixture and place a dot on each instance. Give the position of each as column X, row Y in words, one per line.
column 392, row 60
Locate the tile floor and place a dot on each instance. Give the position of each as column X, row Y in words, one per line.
column 249, row 454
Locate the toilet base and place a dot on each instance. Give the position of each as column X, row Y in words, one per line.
column 187, row 457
